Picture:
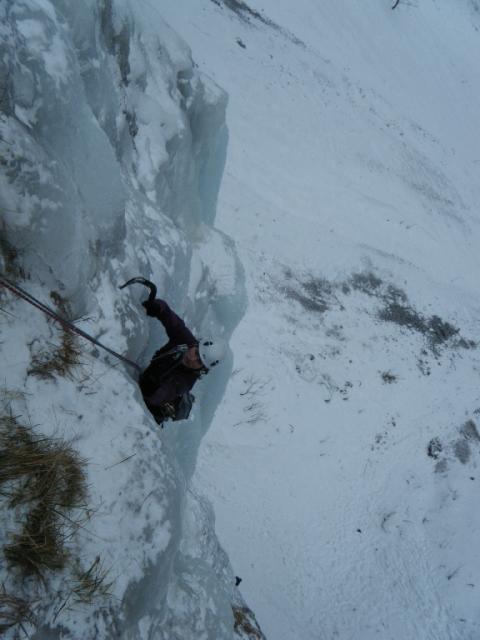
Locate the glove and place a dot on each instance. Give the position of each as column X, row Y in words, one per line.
column 150, row 307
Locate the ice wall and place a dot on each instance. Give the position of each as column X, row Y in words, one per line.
column 112, row 148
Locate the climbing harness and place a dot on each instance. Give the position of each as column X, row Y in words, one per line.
column 69, row 326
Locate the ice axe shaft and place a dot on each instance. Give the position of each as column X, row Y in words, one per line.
column 146, row 283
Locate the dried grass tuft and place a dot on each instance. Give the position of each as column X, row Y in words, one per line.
column 14, row 611
column 47, row 476
column 92, row 583
column 60, row 359
column 245, row 624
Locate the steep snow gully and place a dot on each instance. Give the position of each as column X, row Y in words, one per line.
column 112, row 151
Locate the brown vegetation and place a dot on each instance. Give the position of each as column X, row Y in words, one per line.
column 246, row 625
column 91, row 583
column 14, row 611
column 46, row 476
column 57, row 359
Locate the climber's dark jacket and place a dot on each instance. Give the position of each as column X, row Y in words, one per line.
column 166, row 377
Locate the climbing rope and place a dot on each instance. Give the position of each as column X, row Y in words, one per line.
column 69, row 326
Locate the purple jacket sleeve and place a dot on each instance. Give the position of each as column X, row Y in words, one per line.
column 175, row 327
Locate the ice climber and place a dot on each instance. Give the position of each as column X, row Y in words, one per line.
column 176, row 367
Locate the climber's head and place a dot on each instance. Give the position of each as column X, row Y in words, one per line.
column 211, row 351
column 208, row 353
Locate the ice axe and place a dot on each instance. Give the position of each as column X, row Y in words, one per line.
column 147, row 283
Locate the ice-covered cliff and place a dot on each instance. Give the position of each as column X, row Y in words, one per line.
column 112, row 151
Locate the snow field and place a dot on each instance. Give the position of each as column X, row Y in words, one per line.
column 353, row 154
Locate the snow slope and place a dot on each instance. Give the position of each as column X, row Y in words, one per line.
column 343, row 461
